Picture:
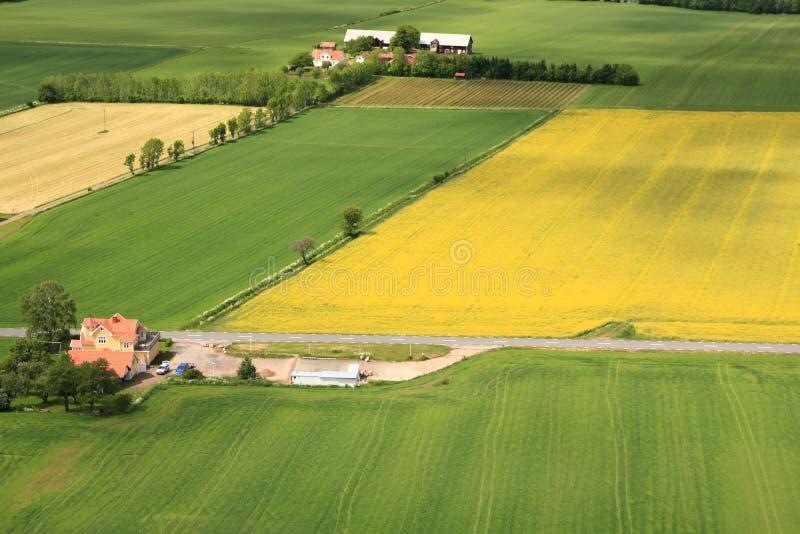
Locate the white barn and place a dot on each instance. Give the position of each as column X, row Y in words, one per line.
column 441, row 43
column 347, row 378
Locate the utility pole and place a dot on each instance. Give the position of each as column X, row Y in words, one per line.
column 193, row 150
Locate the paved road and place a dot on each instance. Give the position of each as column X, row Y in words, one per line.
column 454, row 341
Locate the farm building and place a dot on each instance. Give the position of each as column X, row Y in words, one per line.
column 328, row 45
column 441, row 43
column 125, row 344
column 311, row 372
column 320, row 56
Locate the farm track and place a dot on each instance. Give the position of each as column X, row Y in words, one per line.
column 465, row 94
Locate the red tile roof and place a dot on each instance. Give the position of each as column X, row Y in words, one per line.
column 118, row 361
column 117, row 326
column 336, row 55
column 327, row 44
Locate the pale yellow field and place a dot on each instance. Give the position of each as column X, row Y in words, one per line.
column 51, row 151
column 685, row 224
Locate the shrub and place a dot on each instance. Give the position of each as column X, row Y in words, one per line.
column 116, row 404
column 193, row 374
column 246, row 371
column 5, row 402
column 167, row 341
column 438, row 178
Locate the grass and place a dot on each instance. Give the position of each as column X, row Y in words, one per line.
column 76, row 157
column 376, row 351
column 687, row 59
column 5, row 346
column 517, row 441
column 684, row 224
column 474, row 94
column 168, row 245
column 24, row 64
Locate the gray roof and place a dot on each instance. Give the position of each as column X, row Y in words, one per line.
column 445, row 39
column 352, row 372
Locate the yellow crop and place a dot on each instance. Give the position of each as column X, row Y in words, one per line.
column 686, row 224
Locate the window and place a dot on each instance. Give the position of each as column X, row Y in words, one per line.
column 127, row 345
column 101, row 340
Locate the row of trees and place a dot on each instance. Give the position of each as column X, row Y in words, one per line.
column 432, row 65
column 747, row 6
column 242, row 124
column 37, row 364
column 151, row 153
column 275, row 90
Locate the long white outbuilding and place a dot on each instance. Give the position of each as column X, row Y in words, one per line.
column 347, row 378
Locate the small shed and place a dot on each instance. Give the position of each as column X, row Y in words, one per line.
column 324, row 377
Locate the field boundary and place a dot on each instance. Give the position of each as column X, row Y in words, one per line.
column 339, row 240
column 119, row 178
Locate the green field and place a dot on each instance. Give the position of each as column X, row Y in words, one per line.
column 687, row 59
column 376, row 351
column 24, row 65
column 511, row 441
column 169, row 245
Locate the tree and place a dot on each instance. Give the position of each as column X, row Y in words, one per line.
column 62, row 379
column 152, row 150
column 95, row 380
column 351, row 221
column 221, row 132
column 362, row 44
column 304, row 246
column 246, row 371
column 193, row 374
column 28, row 361
column 406, row 37
column 260, row 118
column 245, row 121
column 213, row 133
column 176, row 150
column 130, row 161
column 301, row 59
column 5, row 402
column 48, row 312
column 233, row 126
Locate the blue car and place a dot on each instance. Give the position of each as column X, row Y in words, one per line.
column 182, row 368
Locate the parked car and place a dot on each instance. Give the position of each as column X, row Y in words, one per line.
column 182, row 368
column 163, row 368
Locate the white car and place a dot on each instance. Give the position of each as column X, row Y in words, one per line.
column 163, row 368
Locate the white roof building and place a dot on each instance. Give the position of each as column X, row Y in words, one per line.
column 347, row 378
column 436, row 42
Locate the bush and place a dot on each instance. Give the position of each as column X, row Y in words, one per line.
column 438, row 178
column 246, row 371
column 5, row 402
column 193, row 374
column 167, row 341
column 119, row 403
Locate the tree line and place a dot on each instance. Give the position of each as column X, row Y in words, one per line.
column 275, row 90
column 756, row 7
column 39, row 366
column 433, row 65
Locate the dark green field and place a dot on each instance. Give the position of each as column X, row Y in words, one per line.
column 687, row 59
column 166, row 246
column 512, row 441
column 24, row 65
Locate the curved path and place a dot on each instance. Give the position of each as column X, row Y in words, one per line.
column 483, row 342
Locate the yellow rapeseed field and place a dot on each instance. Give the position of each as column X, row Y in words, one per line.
column 685, row 224
column 51, row 151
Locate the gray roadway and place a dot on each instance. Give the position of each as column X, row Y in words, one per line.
column 544, row 343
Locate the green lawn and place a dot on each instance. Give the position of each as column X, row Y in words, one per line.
column 5, row 347
column 512, row 441
column 24, row 65
column 166, row 246
column 377, row 351
column 687, row 59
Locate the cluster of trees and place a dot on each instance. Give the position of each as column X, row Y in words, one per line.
column 432, row 65
column 38, row 366
column 276, row 91
column 747, row 6
column 249, row 88
column 151, row 153
column 243, row 124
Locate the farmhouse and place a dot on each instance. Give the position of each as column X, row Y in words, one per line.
column 311, row 372
column 125, row 344
column 320, row 56
column 441, row 43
